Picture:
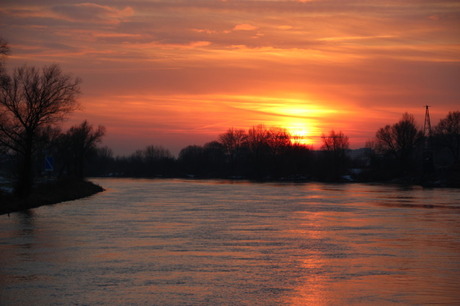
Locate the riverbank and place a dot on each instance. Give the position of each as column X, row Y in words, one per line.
column 49, row 193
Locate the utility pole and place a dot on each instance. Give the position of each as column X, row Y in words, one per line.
column 427, row 127
column 428, row 166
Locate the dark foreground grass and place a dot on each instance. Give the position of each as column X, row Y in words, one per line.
column 49, row 193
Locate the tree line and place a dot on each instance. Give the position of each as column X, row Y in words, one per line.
column 401, row 150
column 396, row 153
column 33, row 103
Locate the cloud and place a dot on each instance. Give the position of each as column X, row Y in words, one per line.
column 92, row 12
column 244, row 27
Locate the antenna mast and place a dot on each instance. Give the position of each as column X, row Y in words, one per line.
column 428, row 165
column 427, row 127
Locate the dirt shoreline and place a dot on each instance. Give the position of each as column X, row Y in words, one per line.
column 48, row 194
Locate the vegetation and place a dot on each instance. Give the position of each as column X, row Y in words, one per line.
column 335, row 160
column 396, row 154
column 399, row 153
column 34, row 101
column 57, row 166
column 75, row 146
column 447, row 135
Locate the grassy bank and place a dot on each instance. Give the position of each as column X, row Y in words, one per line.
column 49, row 193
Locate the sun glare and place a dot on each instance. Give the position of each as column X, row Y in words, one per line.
column 300, row 119
column 299, row 136
column 300, row 132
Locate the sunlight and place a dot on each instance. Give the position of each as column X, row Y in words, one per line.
column 300, row 133
column 303, row 131
column 301, row 119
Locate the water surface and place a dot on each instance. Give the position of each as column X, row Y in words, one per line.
column 175, row 242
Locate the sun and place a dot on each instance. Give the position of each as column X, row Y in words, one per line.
column 300, row 134
column 300, row 124
column 299, row 117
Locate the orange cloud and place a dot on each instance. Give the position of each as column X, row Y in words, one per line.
column 92, row 12
column 244, row 27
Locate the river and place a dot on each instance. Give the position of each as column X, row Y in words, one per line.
column 185, row 242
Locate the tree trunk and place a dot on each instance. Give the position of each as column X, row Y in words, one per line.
column 24, row 184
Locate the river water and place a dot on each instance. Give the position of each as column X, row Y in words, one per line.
column 179, row 242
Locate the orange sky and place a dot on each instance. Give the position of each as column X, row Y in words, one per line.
column 175, row 73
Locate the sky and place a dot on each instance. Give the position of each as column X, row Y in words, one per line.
column 180, row 72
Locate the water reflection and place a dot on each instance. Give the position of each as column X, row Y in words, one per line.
column 396, row 251
column 25, row 222
column 180, row 242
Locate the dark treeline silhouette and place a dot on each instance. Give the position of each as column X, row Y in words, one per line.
column 399, row 152
column 260, row 153
column 56, row 154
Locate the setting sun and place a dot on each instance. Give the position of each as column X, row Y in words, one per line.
column 299, row 134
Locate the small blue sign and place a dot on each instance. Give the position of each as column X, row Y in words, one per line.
column 49, row 163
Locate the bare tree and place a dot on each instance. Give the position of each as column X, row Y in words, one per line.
column 399, row 140
column 31, row 99
column 232, row 141
column 156, row 153
column 447, row 132
column 279, row 140
column 335, row 145
column 78, row 144
column 258, row 139
column 335, row 142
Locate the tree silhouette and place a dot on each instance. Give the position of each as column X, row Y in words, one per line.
column 447, row 134
column 156, row 160
column 258, row 150
column 102, row 163
column 399, row 140
column 278, row 140
column 214, row 155
column 233, row 142
column 335, row 142
column 77, row 145
column 30, row 100
column 335, row 146
column 193, row 160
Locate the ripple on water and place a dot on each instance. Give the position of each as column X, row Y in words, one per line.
column 176, row 242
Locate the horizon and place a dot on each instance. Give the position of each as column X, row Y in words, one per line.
column 179, row 74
